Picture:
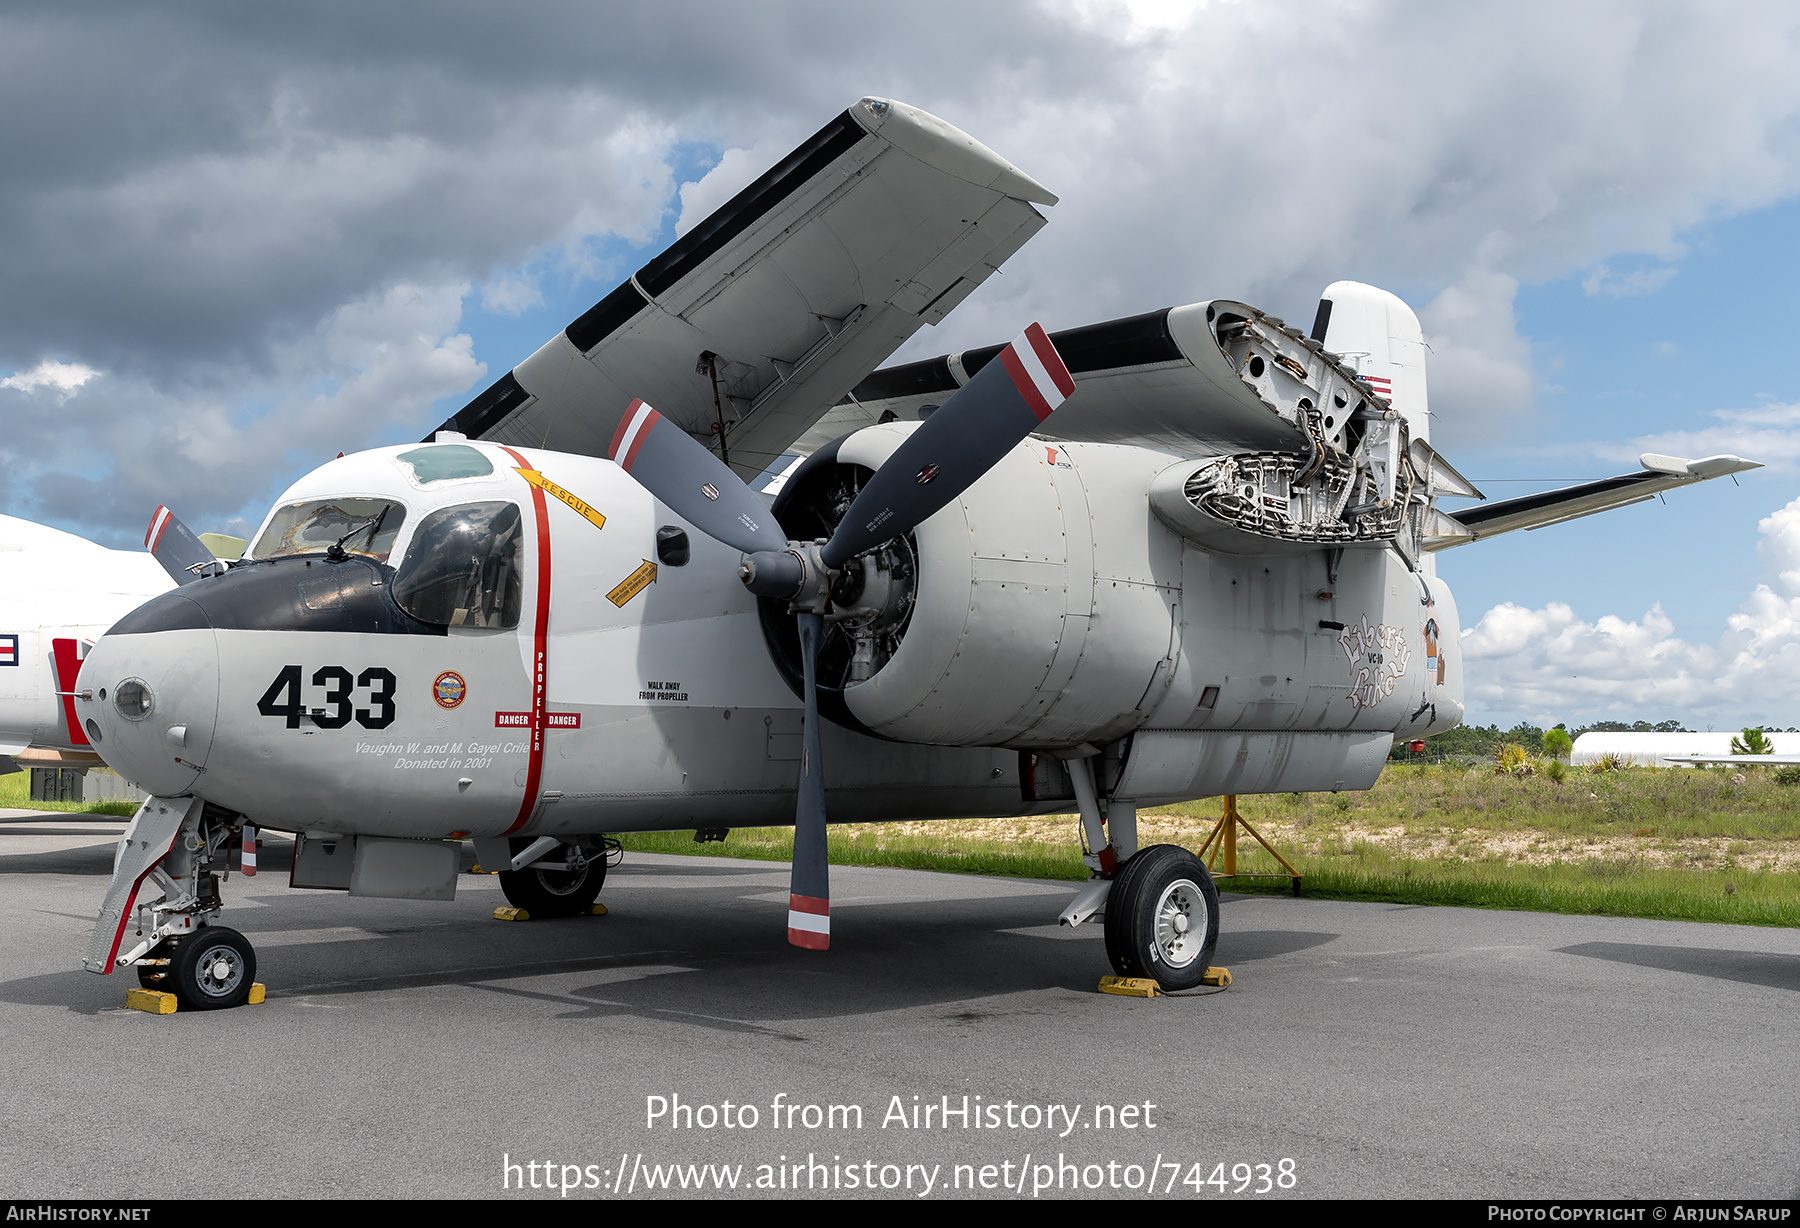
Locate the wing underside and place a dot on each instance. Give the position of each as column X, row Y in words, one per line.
column 774, row 307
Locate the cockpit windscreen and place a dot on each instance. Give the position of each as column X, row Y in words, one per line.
column 364, row 526
column 463, row 568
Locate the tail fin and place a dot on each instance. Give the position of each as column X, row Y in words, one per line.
column 1378, row 334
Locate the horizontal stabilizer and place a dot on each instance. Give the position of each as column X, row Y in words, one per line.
column 1659, row 473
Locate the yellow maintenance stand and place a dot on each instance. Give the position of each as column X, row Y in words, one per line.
column 1225, row 833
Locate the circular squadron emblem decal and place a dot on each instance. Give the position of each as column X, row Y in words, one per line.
column 449, row 689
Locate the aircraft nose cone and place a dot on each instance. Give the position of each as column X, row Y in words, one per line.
column 154, row 701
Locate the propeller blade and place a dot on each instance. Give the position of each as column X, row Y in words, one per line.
column 809, row 888
column 698, row 486
column 954, row 447
column 174, row 545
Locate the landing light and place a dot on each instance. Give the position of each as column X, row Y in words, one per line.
column 133, row 699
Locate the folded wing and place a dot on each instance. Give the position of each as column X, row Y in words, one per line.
column 756, row 321
column 1159, row 380
column 1659, row 473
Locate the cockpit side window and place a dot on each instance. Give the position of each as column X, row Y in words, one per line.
column 463, row 568
column 366, row 526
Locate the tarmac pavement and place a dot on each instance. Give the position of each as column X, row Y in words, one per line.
column 426, row 1050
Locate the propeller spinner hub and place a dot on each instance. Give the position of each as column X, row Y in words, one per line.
column 795, row 575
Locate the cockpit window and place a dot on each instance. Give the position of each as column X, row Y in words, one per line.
column 463, row 567
column 444, row 462
column 365, row 526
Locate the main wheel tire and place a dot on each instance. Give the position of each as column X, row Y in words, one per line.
column 553, row 893
column 211, row 969
column 1162, row 917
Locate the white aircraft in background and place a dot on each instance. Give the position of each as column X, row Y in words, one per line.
column 58, row 594
column 1177, row 555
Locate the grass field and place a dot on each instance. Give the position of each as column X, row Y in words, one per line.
column 15, row 793
column 1689, row 844
column 1699, row 845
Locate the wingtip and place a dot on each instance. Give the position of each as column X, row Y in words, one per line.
column 1706, row 467
column 939, row 143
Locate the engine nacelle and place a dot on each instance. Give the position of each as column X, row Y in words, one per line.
column 1051, row 606
column 1042, row 609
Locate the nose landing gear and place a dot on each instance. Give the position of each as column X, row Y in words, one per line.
column 213, row 969
column 175, row 845
column 210, row 969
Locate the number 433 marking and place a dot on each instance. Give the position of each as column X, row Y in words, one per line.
column 283, row 697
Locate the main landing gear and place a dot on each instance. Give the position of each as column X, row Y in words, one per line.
column 1162, row 917
column 564, row 883
column 1161, row 907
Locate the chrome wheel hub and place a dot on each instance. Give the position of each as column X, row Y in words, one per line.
column 1181, row 923
column 221, row 970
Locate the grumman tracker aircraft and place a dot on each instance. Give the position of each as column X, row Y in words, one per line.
column 1166, row 557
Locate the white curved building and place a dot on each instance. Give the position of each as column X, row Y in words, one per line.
column 1654, row 748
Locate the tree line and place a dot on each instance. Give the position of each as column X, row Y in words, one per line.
column 1484, row 741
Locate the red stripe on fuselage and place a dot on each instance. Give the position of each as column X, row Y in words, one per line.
column 539, row 665
column 1027, row 386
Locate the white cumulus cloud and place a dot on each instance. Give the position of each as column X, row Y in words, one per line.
column 1768, row 433
column 1626, row 285
column 64, row 377
column 1553, row 664
column 737, row 169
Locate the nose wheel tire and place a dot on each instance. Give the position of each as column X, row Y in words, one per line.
column 211, row 969
column 1162, row 917
column 553, row 893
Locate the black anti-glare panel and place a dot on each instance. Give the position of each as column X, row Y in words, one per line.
column 292, row 593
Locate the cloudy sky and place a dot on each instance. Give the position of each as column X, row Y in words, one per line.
column 234, row 242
